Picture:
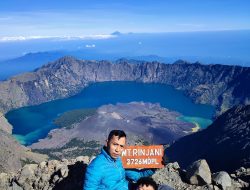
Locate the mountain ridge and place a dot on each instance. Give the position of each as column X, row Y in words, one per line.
column 218, row 85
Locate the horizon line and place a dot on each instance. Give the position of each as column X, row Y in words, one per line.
column 100, row 36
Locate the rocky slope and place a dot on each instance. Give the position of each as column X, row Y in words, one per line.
column 13, row 155
column 69, row 175
column 219, row 85
column 225, row 144
column 4, row 124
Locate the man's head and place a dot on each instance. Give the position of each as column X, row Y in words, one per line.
column 115, row 143
column 146, row 183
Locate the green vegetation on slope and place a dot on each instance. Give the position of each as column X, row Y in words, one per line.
column 74, row 148
column 74, row 116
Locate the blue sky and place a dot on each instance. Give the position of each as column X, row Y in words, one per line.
column 91, row 17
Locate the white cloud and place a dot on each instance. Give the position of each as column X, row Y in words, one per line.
column 22, row 38
column 90, row 46
column 85, row 37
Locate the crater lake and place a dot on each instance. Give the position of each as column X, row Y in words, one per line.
column 34, row 122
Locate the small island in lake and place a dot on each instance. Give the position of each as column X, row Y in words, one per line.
column 145, row 123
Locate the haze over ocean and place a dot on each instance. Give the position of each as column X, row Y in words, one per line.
column 211, row 30
column 225, row 47
column 217, row 47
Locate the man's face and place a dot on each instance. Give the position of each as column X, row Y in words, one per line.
column 115, row 146
column 145, row 187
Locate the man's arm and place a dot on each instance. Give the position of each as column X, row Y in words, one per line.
column 137, row 174
column 92, row 177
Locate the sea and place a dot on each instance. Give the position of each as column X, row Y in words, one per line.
column 211, row 47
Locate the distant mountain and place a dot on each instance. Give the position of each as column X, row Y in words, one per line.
column 32, row 61
column 26, row 63
column 219, row 85
column 149, row 58
column 116, row 33
column 225, row 144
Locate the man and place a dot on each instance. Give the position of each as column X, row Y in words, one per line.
column 146, row 183
column 106, row 170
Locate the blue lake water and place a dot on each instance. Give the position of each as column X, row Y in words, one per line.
column 34, row 122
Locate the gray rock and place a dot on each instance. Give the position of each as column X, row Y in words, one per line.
column 42, row 164
column 27, row 177
column 174, row 166
column 29, row 170
column 233, row 175
column 165, row 187
column 84, row 159
column 4, row 180
column 240, row 184
column 52, row 164
column 222, row 179
column 241, row 170
column 64, row 171
column 199, row 173
column 56, row 178
column 169, row 175
column 15, row 187
column 68, row 174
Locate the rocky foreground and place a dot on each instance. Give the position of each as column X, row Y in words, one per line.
column 69, row 175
